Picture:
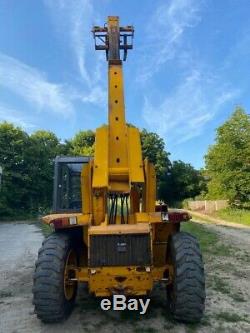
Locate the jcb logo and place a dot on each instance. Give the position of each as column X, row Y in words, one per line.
column 121, row 247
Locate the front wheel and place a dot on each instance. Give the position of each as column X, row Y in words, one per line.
column 186, row 293
column 54, row 291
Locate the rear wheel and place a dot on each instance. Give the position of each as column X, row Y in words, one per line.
column 54, row 291
column 186, row 293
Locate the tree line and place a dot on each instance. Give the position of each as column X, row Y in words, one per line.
column 27, row 163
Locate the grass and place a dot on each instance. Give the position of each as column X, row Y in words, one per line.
column 211, row 245
column 145, row 330
column 241, row 216
column 238, row 298
column 220, row 285
column 209, row 240
column 20, row 219
column 18, row 216
column 46, row 229
column 4, row 294
column 230, row 317
column 205, row 237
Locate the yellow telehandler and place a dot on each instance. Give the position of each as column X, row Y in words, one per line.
column 108, row 230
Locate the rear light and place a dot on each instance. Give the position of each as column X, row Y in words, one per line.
column 60, row 223
column 186, row 217
column 176, row 217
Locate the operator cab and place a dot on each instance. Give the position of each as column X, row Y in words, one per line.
column 67, row 183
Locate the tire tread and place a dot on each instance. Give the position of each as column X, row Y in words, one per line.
column 189, row 280
column 48, row 291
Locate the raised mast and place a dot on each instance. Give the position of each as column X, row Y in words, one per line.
column 118, row 174
column 113, row 39
column 116, row 113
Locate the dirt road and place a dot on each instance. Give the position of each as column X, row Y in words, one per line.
column 227, row 263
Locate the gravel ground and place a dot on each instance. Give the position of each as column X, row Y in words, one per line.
column 227, row 279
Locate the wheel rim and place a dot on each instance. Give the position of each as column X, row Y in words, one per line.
column 69, row 285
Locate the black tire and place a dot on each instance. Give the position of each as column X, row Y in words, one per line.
column 186, row 295
column 51, row 304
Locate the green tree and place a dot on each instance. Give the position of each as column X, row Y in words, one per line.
column 43, row 148
column 153, row 147
column 27, row 163
column 228, row 160
column 181, row 182
column 14, row 193
column 82, row 143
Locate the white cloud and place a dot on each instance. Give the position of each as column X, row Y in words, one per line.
column 183, row 114
column 80, row 16
column 164, row 34
column 13, row 116
column 34, row 87
column 96, row 94
column 73, row 21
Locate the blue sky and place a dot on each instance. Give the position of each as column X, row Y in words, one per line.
column 188, row 70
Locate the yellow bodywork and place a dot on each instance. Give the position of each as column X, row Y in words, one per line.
column 118, row 167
